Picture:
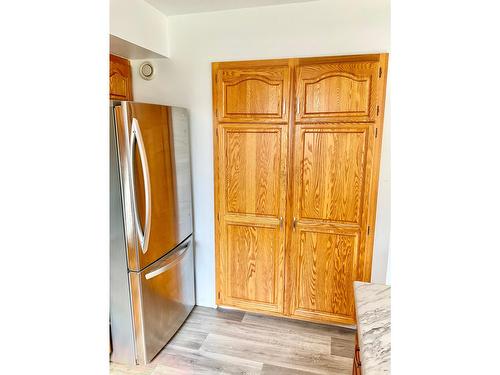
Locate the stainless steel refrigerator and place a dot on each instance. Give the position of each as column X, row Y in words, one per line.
column 151, row 242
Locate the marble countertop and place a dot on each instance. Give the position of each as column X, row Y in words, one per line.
column 373, row 313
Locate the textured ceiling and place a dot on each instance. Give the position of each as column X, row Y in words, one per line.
column 173, row 7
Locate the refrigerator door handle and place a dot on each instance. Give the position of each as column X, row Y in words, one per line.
column 136, row 138
column 170, row 261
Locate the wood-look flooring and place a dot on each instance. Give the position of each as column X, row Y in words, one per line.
column 216, row 341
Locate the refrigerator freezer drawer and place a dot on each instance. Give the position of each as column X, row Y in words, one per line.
column 162, row 298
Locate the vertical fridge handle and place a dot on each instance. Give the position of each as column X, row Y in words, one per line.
column 136, row 138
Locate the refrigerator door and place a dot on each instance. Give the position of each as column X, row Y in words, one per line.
column 153, row 142
column 162, row 298
column 120, row 307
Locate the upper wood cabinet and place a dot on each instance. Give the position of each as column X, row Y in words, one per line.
column 120, row 78
column 249, row 92
column 333, row 89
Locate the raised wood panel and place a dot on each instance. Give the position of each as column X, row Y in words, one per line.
column 251, row 264
column 252, row 168
column 120, row 78
column 336, row 91
column 252, row 260
column 252, row 94
column 332, row 174
column 326, row 270
column 337, row 87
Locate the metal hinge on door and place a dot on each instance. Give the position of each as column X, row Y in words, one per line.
column 368, row 230
column 376, row 132
column 378, row 110
column 379, row 72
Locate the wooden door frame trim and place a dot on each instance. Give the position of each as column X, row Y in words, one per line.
column 374, row 184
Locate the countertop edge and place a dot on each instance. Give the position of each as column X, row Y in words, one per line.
column 373, row 323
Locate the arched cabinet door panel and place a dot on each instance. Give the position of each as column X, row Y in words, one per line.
column 120, row 78
column 336, row 90
column 252, row 93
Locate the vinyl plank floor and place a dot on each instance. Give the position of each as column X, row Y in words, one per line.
column 178, row 361
column 220, row 341
column 300, row 326
column 189, row 339
column 278, row 355
column 278, row 370
column 119, row 369
column 343, row 347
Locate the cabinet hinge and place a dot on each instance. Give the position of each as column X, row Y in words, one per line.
column 217, row 132
column 218, row 295
column 368, row 230
column 378, row 110
column 376, row 132
column 379, row 72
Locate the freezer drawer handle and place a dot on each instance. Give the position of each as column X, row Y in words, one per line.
column 136, row 138
column 179, row 254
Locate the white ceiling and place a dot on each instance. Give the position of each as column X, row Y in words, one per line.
column 173, row 7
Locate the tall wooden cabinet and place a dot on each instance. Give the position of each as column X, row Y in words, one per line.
column 251, row 112
column 297, row 151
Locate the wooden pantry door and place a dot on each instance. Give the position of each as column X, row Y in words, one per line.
column 252, row 163
column 332, row 168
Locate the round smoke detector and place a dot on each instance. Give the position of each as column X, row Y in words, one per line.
column 146, row 70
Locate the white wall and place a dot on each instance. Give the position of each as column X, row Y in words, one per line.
column 139, row 23
column 295, row 30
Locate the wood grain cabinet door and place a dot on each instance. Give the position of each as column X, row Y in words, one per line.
column 252, row 93
column 332, row 172
column 251, row 199
column 336, row 90
column 120, row 78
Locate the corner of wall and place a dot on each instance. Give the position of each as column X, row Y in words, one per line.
column 127, row 20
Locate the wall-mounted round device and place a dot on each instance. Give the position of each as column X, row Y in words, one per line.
column 146, row 70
